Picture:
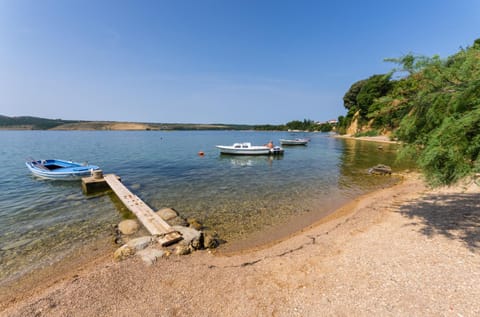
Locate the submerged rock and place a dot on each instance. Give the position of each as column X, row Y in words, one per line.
column 178, row 221
column 128, row 227
column 380, row 169
column 167, row 213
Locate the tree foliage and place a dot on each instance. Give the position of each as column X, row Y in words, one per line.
column 350, row 97
column 435, row 109
column 304, row 125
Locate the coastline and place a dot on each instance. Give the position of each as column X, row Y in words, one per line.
column 379, row 138
column 384, row 253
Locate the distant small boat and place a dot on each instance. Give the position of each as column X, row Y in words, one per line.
column 294, row 141
column 60, row 169
column 247, row 148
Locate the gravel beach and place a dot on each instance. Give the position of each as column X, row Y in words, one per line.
column 400, row 251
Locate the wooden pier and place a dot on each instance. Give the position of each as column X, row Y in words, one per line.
column 152, row 222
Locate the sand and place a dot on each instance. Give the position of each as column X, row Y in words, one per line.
column 378, row 138
column 401, row 251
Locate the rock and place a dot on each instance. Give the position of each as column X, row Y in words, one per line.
column 182, row 249
column 188, row 234
column 128, row 226
column 140, row 243
column 380, row 169
column 118, row 239
column 178, row 221
column 167, row 213
column 150, row 256
column 123, row 252
column 210, row 240
column 194, row 223
column 197, row 244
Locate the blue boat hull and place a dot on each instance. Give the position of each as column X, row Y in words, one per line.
column 60, row 169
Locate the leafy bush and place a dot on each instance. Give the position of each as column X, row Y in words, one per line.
column 435, row 110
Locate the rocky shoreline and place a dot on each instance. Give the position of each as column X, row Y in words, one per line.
column 148, row 248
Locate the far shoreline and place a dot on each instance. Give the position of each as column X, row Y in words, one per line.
column 378, row 138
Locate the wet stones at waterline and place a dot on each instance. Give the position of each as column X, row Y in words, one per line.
column 194, row 223
column 148, row 248
column 172, row 217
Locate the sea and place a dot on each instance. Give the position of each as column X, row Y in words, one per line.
column 43, row 221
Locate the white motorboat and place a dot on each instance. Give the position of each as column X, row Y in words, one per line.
column 246, row 148
column 294, row 141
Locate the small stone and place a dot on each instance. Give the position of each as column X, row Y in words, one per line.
column 178, row 221
column 197, row 244
column 167, row 213
column 195, row 224
column 123, row 252
column 140, row 243
column 128, row 226
column 210, row 240
column 150, row 256
column 188, row 234
column 182, row 249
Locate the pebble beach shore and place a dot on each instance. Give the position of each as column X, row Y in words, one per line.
column 403, row 251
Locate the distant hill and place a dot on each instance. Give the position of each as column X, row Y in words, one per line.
column 30, row 123
column 34, row 123
column 138, row 126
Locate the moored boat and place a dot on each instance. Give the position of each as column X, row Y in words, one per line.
column 60, row 169
column 294, row 141
column 246, row 148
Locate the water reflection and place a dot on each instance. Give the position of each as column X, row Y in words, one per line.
column 358, row 156
column 249, row 160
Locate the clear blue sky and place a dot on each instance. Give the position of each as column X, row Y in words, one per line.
column 211, row 61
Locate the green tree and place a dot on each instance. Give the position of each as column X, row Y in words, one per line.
column 350, row 97
column 306, row 124
column 442, row 129
column 375, row 87
column 434, row 108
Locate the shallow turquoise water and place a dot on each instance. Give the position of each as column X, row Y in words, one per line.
column 43, row 220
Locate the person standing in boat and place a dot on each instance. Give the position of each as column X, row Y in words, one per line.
column 270, row 145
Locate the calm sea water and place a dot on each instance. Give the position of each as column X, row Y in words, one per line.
column 41, row 221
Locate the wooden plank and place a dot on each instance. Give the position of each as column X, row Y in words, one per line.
column 152, row 222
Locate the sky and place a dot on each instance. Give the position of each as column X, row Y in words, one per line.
column 211, row 61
